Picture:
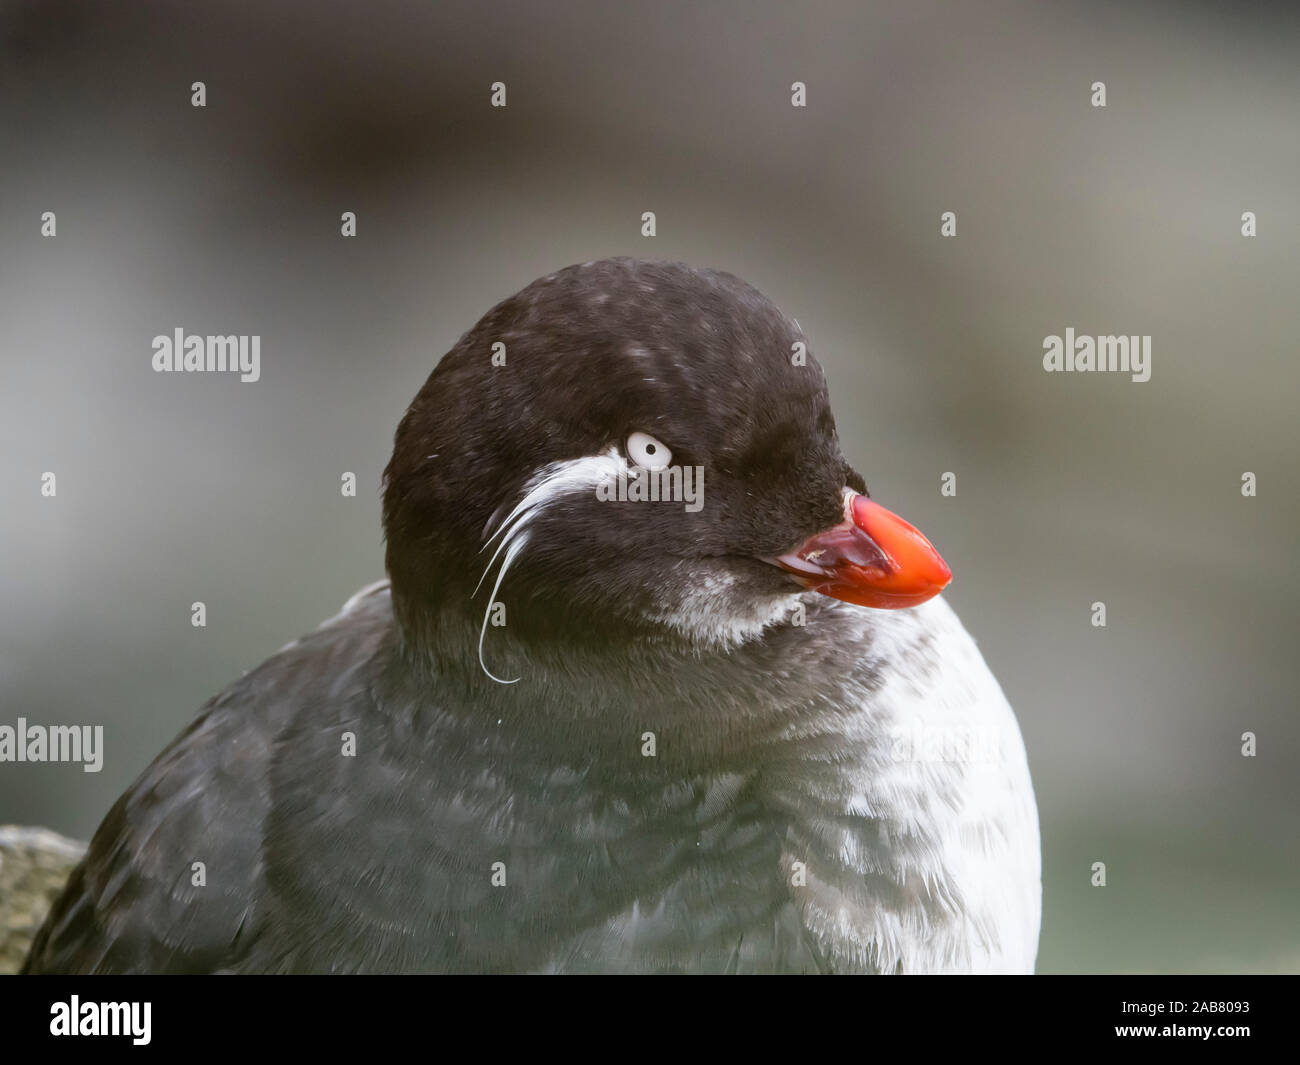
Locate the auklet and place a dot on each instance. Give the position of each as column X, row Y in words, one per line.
column 653, row 686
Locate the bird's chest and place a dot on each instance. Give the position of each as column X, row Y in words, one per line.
column 899, row 871
column 913, row 868
column 906, row 841
column 805, row 865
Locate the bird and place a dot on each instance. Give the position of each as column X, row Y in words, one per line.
column 653, row 685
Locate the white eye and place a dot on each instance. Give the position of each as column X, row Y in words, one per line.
column 644, row 450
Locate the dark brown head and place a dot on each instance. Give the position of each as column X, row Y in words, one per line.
column 519, row 473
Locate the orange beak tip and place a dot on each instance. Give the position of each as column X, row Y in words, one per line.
column 873, row 558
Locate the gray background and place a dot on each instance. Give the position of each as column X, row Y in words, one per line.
column 1071, row 488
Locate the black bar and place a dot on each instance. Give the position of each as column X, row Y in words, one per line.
column 603, row 1017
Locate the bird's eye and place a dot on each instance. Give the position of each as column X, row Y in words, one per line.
column 644, row 450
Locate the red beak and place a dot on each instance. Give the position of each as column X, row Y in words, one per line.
column 872, row 558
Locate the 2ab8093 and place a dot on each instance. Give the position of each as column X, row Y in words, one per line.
column 1174, row 1006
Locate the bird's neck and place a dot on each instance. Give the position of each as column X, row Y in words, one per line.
column 600, row 690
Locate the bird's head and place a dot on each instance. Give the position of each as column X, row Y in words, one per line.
column 629, row 448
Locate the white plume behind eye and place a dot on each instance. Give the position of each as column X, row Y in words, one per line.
column 644, row 450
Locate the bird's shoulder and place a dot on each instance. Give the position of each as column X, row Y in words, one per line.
column 175, row 875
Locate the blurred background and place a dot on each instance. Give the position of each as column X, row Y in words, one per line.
column 1071, row 488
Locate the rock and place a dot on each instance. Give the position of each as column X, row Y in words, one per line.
column 34, row 864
